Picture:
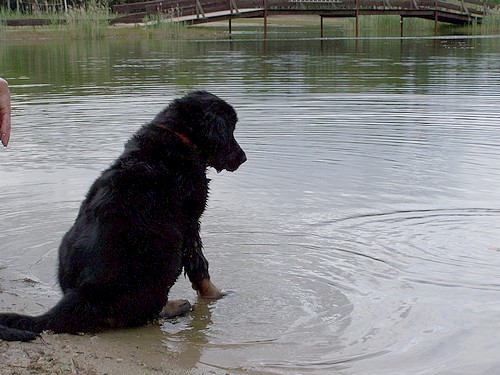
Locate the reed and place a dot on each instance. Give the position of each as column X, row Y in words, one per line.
column 91, row 22
column 491, row 23
column 88, row 21
column 381, row 26
column 162, row 24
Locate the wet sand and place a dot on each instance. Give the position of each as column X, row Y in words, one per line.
column 129, row 351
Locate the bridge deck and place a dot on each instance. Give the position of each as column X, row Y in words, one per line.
column 220, row 15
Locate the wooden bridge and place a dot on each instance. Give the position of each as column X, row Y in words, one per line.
column 202, row 11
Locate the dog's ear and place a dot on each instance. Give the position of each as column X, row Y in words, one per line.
column 215, row 127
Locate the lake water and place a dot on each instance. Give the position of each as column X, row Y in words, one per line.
column 362, row 236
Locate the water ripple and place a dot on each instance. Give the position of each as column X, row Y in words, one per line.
column 447, row 247
column 360, row 237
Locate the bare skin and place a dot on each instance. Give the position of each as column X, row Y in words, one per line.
column 5, row 110
column 206, row 289
column 175, row 308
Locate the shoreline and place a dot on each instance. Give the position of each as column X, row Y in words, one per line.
column 220, row 29
column 123, row 352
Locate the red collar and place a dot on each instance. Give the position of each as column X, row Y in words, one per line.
column 184, row 138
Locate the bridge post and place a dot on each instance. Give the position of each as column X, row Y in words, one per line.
column 199, row 10
column 321, row 26
column 357, row 18
column 435, row 17
column 233, row 7
column 464, row 7
column 265, row 19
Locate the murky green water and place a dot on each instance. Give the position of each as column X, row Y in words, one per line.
column 361, row 237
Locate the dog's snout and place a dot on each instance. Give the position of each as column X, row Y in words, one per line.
column 243, row 157
column 238, row 158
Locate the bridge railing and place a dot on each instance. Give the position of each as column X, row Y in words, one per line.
column 475, row 7
column 199, row 7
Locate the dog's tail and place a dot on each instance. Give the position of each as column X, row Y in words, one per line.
column 71, row 315
column 13, row 334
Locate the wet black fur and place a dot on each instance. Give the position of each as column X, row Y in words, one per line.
column 138, row 226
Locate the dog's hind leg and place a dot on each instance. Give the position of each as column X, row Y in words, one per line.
column 175, row 308
column 75, row 313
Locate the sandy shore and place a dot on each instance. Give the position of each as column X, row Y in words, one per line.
column 66, row 354
column 130, row 351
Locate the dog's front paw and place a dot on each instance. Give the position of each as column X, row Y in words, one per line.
column 208, row 290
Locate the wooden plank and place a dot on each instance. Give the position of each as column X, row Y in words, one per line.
column 32, row 22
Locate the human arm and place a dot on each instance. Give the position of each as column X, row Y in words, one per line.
column 5, row 111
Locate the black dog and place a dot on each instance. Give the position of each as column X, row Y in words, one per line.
column 138, row 226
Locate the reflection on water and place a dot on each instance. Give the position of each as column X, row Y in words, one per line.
column 362, row 236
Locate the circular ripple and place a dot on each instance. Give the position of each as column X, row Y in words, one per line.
column 448, row 247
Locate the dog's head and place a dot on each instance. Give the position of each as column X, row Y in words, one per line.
column 209, row 122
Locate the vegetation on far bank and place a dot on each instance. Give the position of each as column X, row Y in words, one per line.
column 79, row 19
column 391, row 26
column 91, row 21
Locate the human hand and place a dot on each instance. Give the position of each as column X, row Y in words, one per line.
column 5, row 122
